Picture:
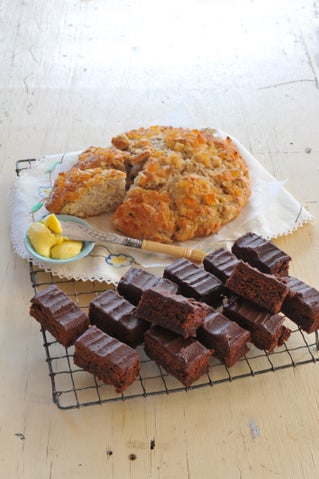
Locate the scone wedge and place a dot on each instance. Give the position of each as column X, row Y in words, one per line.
column 85, row 193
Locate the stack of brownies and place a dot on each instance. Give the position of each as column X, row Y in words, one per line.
column 193, row 312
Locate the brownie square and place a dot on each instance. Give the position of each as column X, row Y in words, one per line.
column 262, row 254
column 172, row 311
column 135, row 281
column 184, row 358
column 260, row 288
column 301, row 304
column 58, row 314
column 266, row 329
column 224, row 336
column 117, row 317
column 195, row 282
column 110, row 360
column 220, row 263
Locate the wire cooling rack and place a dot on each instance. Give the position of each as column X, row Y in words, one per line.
column 73, row 387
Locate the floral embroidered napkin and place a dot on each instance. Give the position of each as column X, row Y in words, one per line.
column 270, row 212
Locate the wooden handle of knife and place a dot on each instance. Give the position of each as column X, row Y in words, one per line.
column 195, row 255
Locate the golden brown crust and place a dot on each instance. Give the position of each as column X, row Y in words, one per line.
column 181, row 183
column 106, row 158
column 205, row 181
column 142, row 211
column 87, row 193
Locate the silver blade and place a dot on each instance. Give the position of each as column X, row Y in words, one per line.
column 77, row 231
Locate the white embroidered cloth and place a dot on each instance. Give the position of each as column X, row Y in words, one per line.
column 270, row 212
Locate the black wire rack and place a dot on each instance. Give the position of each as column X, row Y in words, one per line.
column 73, row 387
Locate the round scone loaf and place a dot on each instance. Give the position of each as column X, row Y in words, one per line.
column 180, row 183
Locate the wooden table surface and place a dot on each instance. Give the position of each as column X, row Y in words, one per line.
column 73, row 73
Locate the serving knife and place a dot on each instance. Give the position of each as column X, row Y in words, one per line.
column 77, row 231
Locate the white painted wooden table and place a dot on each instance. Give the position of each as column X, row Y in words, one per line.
column 73, row 73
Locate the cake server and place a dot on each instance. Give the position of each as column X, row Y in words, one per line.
column 81, row 232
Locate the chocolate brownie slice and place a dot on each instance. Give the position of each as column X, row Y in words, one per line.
column 172, row 311
column 108, row 359
column 186, row 359
column 58, row 314
column 136, row 280
column 195, row 282
column 261, row 254
column 220, row 263
column 224, row 336
column 301, row 304
column 260, row 288
column 266, row 329
column 117, row 317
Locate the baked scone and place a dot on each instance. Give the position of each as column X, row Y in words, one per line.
column 190, row 186
column 106, row 158
column 85, row 193
column 180, row 183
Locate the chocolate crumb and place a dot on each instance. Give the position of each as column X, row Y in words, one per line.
column 132, row 457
